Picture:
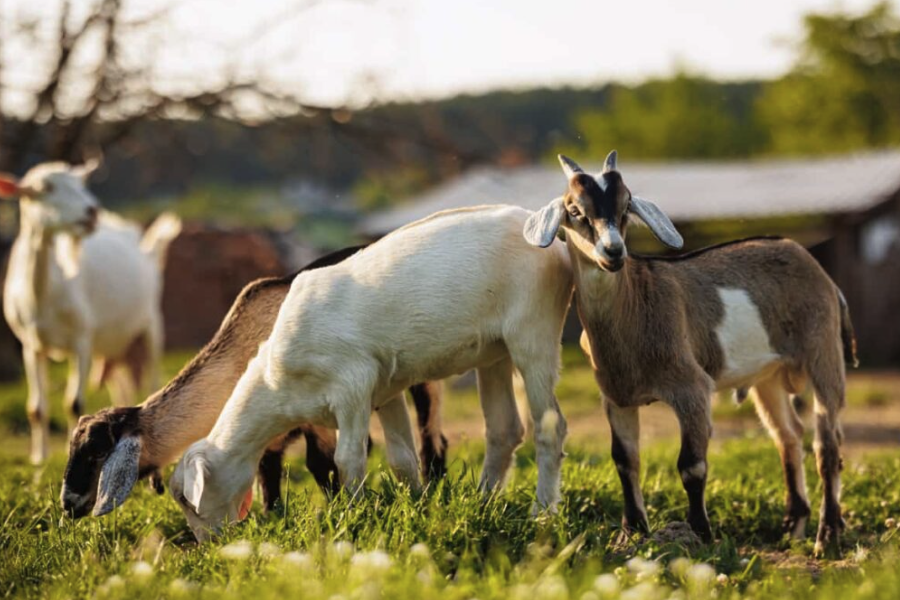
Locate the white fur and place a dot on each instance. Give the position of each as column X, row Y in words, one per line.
column 743, row 338
column 68, row 297
column 458, row 290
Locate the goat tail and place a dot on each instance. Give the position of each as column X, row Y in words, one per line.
column 848, row 338
column 159, row 235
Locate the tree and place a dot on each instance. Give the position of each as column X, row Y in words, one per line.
column 844, row 91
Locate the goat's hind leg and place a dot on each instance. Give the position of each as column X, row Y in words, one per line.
column 773, row 404
column 503, row 426
column 428, row 399
column 828, row 402
column 624, row 425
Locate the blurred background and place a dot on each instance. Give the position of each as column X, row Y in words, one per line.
column 282, row 129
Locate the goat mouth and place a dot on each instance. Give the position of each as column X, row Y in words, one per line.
column 611, row 266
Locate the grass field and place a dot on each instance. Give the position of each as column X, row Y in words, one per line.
column 452, row 543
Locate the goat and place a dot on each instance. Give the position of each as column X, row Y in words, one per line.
column 454, row 291
column 756, row 312
column 82, row 282
column 115, row 447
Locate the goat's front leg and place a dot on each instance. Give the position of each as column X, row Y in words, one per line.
column 625, row 428
column 428, row 398
column 353, row 444
column 37, row 406
column 693, row 411
column 79, row 374
column 399, row 441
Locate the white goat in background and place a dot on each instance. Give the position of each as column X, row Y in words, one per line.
column 81, row 283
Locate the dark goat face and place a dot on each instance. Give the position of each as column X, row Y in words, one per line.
column 594, row 212
column 95, row 440
column 597, row 212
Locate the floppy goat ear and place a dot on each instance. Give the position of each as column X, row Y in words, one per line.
column 194, row 480
column 9, row 186
column 661, row 226
column 541, row 227
column 118, row 475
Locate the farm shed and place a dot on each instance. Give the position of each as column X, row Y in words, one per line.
column 845, row 209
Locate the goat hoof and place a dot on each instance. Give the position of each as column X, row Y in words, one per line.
column 156, row 483
column 828, row 542
column 703, row 531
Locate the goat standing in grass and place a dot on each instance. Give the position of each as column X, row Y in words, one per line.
column 758, row 312
column 457, row 290
column 81, row 283
column 112, row 449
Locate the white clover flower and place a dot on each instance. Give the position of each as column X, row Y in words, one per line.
column 240, row 550
column 700, row 574
column 301, row 560
column 141, row 570
column 182, row 586
column 268, row 550
column 376, row 560
column 420, row 550
column 722, row 579
column 890, row 522
column 607, row 584
column 860, row 554
column 642, row 591
column 679, row 566
column 552, row 587
column 643, row 568
column 115, row 581
column 744, row 562
column 342, row 550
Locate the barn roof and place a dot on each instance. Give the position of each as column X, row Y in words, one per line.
column 687, row 191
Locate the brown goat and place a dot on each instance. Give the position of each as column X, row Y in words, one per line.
column 112, row 449
column 754, row 313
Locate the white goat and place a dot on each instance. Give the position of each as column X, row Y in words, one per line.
column 81, row 283
column 458, row 290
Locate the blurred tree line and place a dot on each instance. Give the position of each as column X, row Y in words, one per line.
column 842, row 94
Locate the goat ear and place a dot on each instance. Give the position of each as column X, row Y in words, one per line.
column 118, row 475
column 541, row 227
column 610, row 163
column 569, row 166
column 9, row 186
column 661, row 226
column 194, row 480
column 85, row 170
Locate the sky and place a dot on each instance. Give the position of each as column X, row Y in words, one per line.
column 358, row 50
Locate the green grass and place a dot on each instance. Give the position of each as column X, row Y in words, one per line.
column 450, row 542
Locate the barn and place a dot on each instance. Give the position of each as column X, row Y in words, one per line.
column 845, row 209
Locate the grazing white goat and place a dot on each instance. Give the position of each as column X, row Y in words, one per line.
column 458, row 290
column 753, row 313
column 81, row 283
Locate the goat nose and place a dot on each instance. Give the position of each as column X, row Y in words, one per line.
column 92, row 212
column 614, row 251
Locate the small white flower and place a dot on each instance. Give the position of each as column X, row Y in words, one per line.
column 301, row 560
column 420, row 550
column 240, row 550
column 607, row 584
column 552, row 588
column 142, row 570
column 642, row 591
column 342, row 550
column 376, row 560
column 643, row 568
column 700, row 574
column 890, row 522
column 115, row 581
column 722, row 579
column 744, row 562
column 679, row 566
column 268, row 550
column 182, row 586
